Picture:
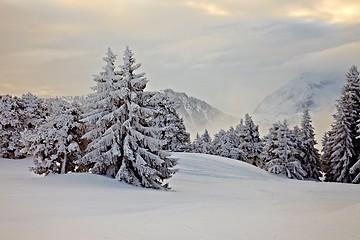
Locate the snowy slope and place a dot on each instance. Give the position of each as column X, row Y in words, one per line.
column 212, row 198
column 199, row 115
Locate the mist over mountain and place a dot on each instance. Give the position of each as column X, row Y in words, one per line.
column 317, row 91
column 197, row 114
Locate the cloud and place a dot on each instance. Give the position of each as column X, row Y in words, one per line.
column 330, row 11
column 205, row 48
column 209, row 8
column 342, row 58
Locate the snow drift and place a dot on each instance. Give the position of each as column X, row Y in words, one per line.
column 212, row 198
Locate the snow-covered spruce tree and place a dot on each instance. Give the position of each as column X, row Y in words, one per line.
column 355, row 169
column 217, row 142
column 55, row 144
column 196, row 144
column 280, row 154
column 311, row 160
column 10, row 127
column 123, row 144
column 297, row 138
column 32, row 111
column 206, row 145
column 225, row 144
column 249, row 141
column 101, row 112
column 240, row 134
column 202, row 144
column 341, row 149
column 171, row 126
column 324, row 158
column 343, row 146
column 230, row 148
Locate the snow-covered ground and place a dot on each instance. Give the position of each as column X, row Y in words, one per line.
column 212, row 198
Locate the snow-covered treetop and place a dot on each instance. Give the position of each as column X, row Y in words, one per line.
column 136, row 81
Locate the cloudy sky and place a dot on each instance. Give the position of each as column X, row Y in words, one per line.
column 230, row 53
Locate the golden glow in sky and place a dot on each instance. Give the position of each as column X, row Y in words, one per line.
column 202, row 47
column 330, row 11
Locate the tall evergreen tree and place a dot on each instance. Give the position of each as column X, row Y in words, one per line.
column 171, row 126
column 10, row 127
column 102, row 153
column 343, row 146
column 217, row 142
column 311, row 159
column 324, row 159
column 125, row 145
column 206, row 145
column 196, row 144
column 296, row 137
column 355, row 169
column 249, row 141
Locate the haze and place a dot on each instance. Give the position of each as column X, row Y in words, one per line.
column 229, row 53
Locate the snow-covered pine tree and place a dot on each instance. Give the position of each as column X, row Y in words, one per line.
column 355, row 169
column 196, row 144
column 206, row 145
column 10, row 127
column 324, row 158
column 217, row 142
column 225, row 144
column 249, row 141
column 32, row 111
column 124, row 145
column 171, row 126
column 280, row 154
column 311, row 159
column 240, row 133
column 143, row 160
column 343, row 147
column 56, row 144
column 297, row 138
column 101, row 112
column 232, row 143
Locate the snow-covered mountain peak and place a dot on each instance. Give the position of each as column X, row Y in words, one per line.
column 317, row 91
column 314, row 90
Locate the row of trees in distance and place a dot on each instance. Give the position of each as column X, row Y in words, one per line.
column 124, row 132
column 293, row 151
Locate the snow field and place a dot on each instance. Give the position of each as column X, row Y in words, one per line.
column 212, row 198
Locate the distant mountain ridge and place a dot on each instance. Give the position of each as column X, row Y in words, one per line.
column 198, row 115
column 317, row 91
column 314, row 90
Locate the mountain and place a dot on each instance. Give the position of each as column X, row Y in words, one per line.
column 197, row 114
column 317, row 91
